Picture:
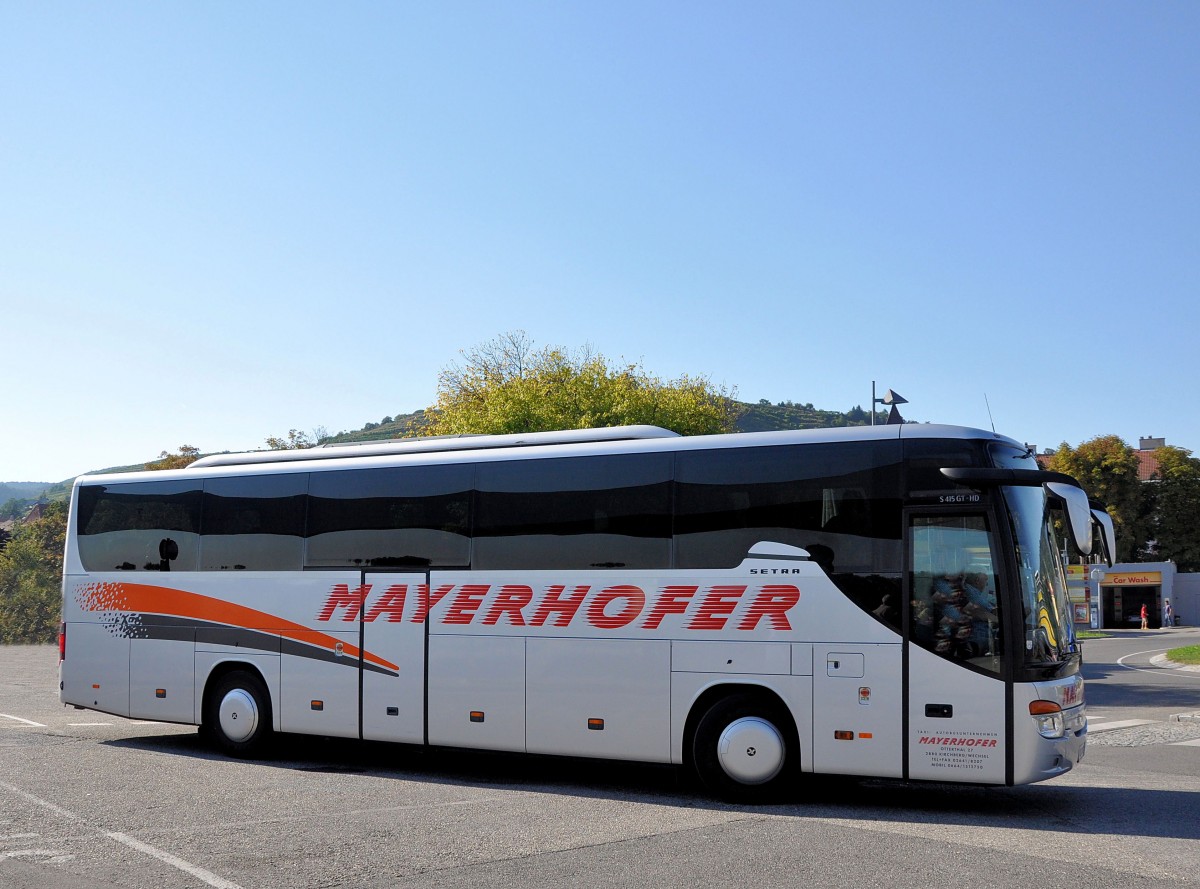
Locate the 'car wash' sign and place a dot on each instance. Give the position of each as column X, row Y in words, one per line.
column 1136, row 578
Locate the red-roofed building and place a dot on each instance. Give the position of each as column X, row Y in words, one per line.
column 1147, row 464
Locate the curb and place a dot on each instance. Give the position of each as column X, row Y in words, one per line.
column 1161, row 660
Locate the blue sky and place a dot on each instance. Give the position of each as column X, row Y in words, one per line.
column 222, row 221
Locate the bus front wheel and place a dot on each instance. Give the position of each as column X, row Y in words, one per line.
column 745, row 749
column 238, row 714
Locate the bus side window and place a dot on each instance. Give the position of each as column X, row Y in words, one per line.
column 727, row 500
column 394, row 517
column 573, row 513
column 253, row 523
column 121, row 527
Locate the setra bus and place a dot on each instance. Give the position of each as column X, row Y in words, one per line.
column 875, row 601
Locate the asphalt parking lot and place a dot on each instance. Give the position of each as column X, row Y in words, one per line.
column 95, row 801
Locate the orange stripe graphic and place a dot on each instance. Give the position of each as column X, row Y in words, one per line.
column 148, row 599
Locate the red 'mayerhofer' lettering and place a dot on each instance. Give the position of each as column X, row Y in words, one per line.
column 510, row 600
column 341, row 596
column 773, row 603
column 466, row 603
column 427, row 599
column 554, row 602
column 391, row 603
column 672, row 600
column 611, row 608
column 714, row 612
column 635, row 601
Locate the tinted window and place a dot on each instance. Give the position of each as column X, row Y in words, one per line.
column 416, row 516
column 128, row 527
column 574, row 512
column 254, row 523
column 844, row 497
column 954, row 583
column 925, row 458
column 841, row 502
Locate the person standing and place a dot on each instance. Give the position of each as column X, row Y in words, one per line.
column 1145, row 617
column 1168, row 614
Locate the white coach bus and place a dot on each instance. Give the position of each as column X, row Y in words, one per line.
column 879, row 601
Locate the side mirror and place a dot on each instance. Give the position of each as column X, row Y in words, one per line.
column 1079, row 514
column 1108, row 535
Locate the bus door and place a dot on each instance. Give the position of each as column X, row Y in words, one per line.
column 957, row 704
column 393, row 656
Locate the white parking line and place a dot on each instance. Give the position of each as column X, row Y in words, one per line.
column 78, row 724
column 198, row 872
column 50, row 856
column 38, row 801
column 187, row 867
column 1120, row 723
column 29, row 722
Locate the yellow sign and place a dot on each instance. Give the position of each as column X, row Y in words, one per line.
column 1133, row 578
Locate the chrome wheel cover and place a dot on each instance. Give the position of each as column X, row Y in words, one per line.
column 751, row 750
column 238, row 715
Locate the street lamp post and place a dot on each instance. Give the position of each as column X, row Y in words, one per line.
column 889, row 398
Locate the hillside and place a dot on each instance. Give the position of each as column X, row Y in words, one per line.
column 400, row 426
column 767, row 417
column 22, row 490
column 761, row 417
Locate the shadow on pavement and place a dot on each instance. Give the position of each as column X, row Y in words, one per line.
column 1052, row 807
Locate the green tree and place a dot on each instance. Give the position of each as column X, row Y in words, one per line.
column 297, row 440
column 187, row 456
column 13, row 508
column 1175, row 497
column 506, row 385
column 31, row 579
column 1108, row 470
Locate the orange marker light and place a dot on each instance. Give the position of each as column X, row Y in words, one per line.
column 843, row 736
column 1048, row 717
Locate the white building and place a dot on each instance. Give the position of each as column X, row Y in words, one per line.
column 1120, row 591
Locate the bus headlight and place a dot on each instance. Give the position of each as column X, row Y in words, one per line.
column 1049, row 718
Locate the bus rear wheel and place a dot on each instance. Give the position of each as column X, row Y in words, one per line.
column 238, row 714
column 745, row 749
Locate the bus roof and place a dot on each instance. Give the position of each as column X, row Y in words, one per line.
column 629, row 439
column 432, row 444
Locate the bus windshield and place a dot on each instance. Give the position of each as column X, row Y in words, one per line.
column 1049, row 631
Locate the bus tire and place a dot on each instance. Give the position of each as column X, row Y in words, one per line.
column 237, row 714
column 745, row 749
